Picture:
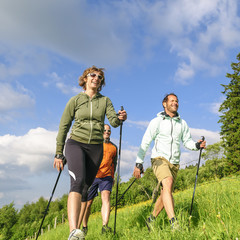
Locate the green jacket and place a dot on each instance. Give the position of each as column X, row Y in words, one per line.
column 89, row 115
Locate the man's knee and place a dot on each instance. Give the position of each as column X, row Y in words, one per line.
column 167, row 183
column 105, row 195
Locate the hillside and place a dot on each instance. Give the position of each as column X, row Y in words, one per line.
column 215, row 215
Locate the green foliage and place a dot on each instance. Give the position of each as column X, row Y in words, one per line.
column 141, row 190
column 214, row 217
column 215, row 160
column 8, row 218
column 19, row 225
column 230, row 119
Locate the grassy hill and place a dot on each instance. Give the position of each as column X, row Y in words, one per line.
column 216, row 215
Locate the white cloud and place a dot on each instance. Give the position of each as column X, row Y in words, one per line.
column 214, row 106
column 184, row 73
column 24, row 159
column 128, row 160
column 138, row 124
column 59, row 82
column 34, row 150
column 200, row 32
column 10, row 99
column 68, row 29
column 20, row 60
column 191, row 157
column 1, row 195
column 210, row 136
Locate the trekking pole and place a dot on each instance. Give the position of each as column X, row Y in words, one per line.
column 124, row 193
column 118, row 171
column 203, row 138
column 45, row 213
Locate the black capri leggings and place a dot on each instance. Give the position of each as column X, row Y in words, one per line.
column 83, row 163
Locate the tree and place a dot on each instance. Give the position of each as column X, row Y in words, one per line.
column 214, row 160
column 230, row 119
column 8, row 217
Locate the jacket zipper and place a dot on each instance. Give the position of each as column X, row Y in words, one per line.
column 171, row 140
column 90, row 137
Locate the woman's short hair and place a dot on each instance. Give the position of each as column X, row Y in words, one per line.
column 82, row 82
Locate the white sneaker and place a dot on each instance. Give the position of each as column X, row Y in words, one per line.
column 76, row 234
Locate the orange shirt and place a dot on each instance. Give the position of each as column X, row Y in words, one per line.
column 108, row 162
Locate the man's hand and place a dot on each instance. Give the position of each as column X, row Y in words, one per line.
column 202, row 144
column 137, row 172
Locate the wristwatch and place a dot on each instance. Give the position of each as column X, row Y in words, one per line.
column 62, row 157
column 139, row 166
column 59, row 156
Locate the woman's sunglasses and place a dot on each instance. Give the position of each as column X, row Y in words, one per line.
column 100, row 77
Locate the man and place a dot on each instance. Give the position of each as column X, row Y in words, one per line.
column 167, row 130
column 103, row 182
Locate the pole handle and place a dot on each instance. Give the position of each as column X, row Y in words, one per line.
column 122, row 108
column 203, row 138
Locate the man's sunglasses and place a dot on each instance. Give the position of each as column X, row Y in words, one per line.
column 107, row 130
column 100, row 77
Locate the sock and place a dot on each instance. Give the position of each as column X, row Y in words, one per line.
column 172, row 220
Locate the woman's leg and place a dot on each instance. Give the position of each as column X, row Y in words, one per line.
column 76, row 167
column 93, row 159
column 74, row 207
column 94, row 155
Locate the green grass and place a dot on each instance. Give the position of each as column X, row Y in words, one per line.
column 216, row 215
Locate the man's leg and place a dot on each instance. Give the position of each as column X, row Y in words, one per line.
column 167, row 198
column 87, row 212
column 105, row 195
column 82, row 212
column 87, row 200
column 158, row 206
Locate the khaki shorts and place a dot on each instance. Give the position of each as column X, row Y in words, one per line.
column 162, row 168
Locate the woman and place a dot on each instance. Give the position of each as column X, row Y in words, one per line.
column 84, row 148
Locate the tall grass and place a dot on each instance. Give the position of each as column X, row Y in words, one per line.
column 216, row 215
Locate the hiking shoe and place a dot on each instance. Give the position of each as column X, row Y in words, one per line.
column 106, row 229
column 174, row 224
column 85, row 230
column 149, row 222
column 76, row 234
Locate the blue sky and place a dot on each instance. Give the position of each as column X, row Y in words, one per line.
column 148, row 48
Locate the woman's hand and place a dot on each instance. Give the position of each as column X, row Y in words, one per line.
column 58, row 163
column 122, row 115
